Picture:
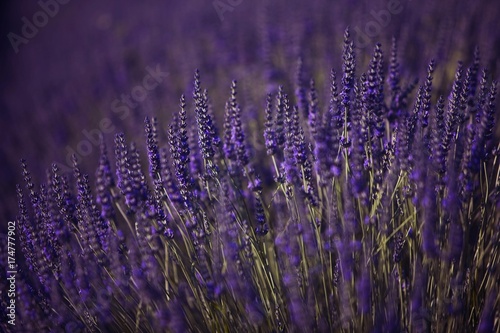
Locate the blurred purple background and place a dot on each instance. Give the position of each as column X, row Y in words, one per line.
column 66, row 77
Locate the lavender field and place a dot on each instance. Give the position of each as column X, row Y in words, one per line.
column 250, row 166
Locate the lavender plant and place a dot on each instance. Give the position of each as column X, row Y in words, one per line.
column 375, row 212
column 297, row 182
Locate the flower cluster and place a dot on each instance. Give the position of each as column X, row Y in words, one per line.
column 371, row 214
column 296, row 181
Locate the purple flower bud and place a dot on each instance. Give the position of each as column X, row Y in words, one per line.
column 348, row 78
column 269, row 134
column 229, row 145
column 426, row 98
column 207, row 136
column 300, row 88
column 169, row 183
column 236, row 148
column 150, row 128
column 313, row 116
column 179, row 148
column 394, row 75
column 280, row 110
